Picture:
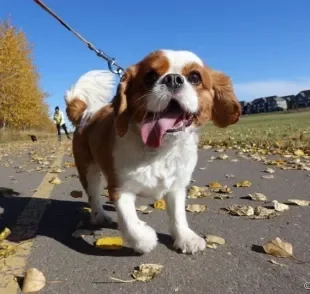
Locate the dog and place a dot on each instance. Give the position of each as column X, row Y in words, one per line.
column 144, row 140
column 33, row 138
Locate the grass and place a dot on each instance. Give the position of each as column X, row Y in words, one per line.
column 277, row 131
column 9, row 135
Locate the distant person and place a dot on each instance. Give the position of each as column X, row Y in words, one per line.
column 59, row 121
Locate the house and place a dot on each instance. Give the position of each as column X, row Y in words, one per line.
column 275, row 103
column 258, row 105
column 290, row 100
column 302, row 99
column 245, row 106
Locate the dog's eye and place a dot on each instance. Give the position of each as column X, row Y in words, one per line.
column 194, row 78
column 150, row 78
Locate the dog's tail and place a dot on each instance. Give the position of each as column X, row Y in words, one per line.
column 90, row 93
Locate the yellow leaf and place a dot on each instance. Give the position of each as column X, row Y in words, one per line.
column 278, row 248
column 160, row 204
column 241, row 210
column 214, row 185
column 147, row 272
column 243, row 184
column 299, row 152
column 55, row 181
column 109, row 243
column 4, row 234
column 34, row 281
column 261, row 212
column 212, row 239
column 196, row 207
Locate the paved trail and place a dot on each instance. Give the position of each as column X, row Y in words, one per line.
column 47, row 215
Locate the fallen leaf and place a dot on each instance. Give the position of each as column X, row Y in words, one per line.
column 144, row 209
column 4, row 234
column 55, row 181
column 243, row 184
column 211, row 245
column 196, row 207
column 197, row 192
column 258, row 197
column 261, row 212
column 278, row 206
column 202, row 168
column 109, row 243
column 76, row 194
column 269, row 170
column 299, row 152
column 56, row 170
column 222, row 197
column 147, row 272
column 160, row 204
column 212, row 239
column 69, row 164
column 299, row 202
column 34, row 281
column 6, row 250
column 278, row 248
column 230, row 176
column 214, row 185
column 222, row 156
column 277, row 263
column 241, row 210
column 267, row 177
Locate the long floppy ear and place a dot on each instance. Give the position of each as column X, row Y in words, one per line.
column 120, row 103
column 226, row 109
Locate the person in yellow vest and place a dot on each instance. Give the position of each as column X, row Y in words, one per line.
column 59, row 121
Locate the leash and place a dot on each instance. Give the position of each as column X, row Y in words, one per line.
column 113, row 66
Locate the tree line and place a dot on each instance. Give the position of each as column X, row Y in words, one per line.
column 22, row 101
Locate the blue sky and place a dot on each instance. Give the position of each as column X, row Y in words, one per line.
column 263, row 45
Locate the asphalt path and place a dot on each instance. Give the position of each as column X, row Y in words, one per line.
column 74, row 265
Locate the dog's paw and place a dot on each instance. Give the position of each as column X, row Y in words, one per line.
column 189, row 242
column 142, row 238
column 100, row 219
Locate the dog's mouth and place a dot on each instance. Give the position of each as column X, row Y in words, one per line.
column 173, row 119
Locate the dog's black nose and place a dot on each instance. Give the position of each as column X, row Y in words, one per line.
column 173, row 81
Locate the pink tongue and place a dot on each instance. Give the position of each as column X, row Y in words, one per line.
column 152, row 131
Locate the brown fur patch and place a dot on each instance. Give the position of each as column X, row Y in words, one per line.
column 75, row 109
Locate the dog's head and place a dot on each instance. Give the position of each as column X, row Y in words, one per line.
column 169, row 92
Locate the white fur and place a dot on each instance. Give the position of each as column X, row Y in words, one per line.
column 160, row 96
column 94, row 88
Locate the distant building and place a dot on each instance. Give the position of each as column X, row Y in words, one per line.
column 302, row 99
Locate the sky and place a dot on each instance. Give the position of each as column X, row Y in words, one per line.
column 264, row 46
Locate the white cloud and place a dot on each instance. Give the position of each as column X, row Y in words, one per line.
column 251, row 90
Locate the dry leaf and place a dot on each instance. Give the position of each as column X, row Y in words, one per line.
column 196, row 207
column 215, row 185
column 109, row 243
column 4, row 234
column 267, row 177
column 212, row 239
column 258, row 197
column 299, row 202
column 222, row 156
column 277, row 263
column 69, row 164
column 147, row 272
column 160, row 204
column 144, row 209
column 76, row 194
column 279, row 206
column 269, row 170
column 278, row 248
column 211, row 245
column 224, row 190
column 230, row 176
column 261, row 212
column 222, row 197
column 241, row 210
column 202, row 168
column 197, row 192
column 299, row 152
column 56, row 171
column 55, row 181
column 34, row 281
column 243, row 184
column 6, row 250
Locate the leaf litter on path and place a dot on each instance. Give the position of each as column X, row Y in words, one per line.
column 240, row 210
column 34, row 281
column 144, row 209
column 243, row 184
column 196, row 207
column 299, row 202
column 213, row 241
column 258, row 197
column 278, row 248
column 278, row 206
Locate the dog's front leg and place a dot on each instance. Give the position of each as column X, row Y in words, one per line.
column 141, row 237
column 185, row 239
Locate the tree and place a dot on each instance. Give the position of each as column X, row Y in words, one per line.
column 22, row 101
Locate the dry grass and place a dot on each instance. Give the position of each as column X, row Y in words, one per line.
column 9, row 135
column 281, row 131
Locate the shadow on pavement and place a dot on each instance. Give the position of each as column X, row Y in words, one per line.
column 59, row 220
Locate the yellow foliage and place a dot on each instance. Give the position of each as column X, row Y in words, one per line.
column 22, row 101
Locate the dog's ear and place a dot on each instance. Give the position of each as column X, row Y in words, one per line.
column 226, row 109
column 120, row 102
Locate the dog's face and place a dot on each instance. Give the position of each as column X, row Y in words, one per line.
column 170, row 92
